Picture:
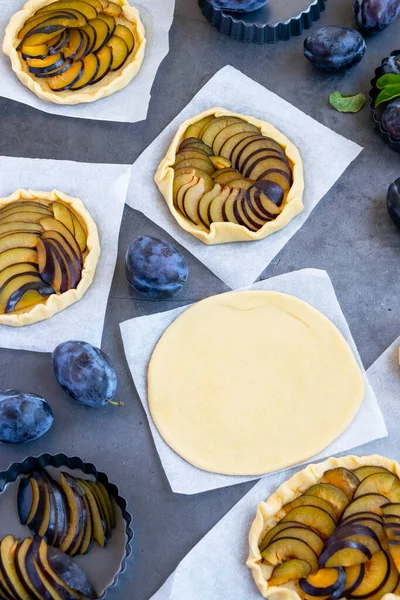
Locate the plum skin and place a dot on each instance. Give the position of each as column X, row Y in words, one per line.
column 391, row 119
column 238, row 5
column 24, row 417
column 334, row 48
column 373, row 16
column 391, row 65
column 155, row 268
column 393, row 202
column 85, row 373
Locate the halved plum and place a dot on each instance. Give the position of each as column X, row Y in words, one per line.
column 325, row 582
column 342, row 478
column 315, row 518
column 290, row 570
column 286, row 548
column 331, row 494
column 386, row 484
column 363, row 472
column 344, row 553
column 279, row 177
column 366, row 503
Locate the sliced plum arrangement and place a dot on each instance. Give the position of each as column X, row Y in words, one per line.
column 71, row 514
column 339, row 538
column 226, row 170
column 72, row 44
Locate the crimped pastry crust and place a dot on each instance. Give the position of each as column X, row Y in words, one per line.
column 221, row 233
column 266, row 516
column 57, row 302
column 113, row 82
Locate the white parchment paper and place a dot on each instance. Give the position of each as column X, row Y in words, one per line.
column 102, row 188
column 140, row 336
column 128, row 105
column 215, row 568
column 325, row 154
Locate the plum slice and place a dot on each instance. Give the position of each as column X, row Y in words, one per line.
column 108, row 502
column 380, row 577
column 196, row 144
column 224, row 176
column 193, row 131
column 372, row 523
column 211, row 129
column 204, row 164
column 240, row 216
column 25, row 500
column 332, row 494
column 392, row 509
column 20, row 561
column 294, row 568
column 287, row 548
column 64, row 81
column 91, row 66
column 18, row 255
column 367, row 503
column 316, row 518
column 344, row 553
column 354, row 576
column 358, row 533
column 8, row 549
column 343, row 479
column 386, row 484
column 305, row 534
column 229, row 131
column 325, row 582
column 75, row 515
column 281, row 526
column 70, row 573
column 126, row 34
column 306, row 499
column 189, row 153
column 394, row 551
column 231, row 143
column 228, row 207
column 79, row 5
column 363, row 472
column 99, row 525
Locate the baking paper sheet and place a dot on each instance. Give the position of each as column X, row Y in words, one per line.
column 215, row 568
column 325, row 154
column 312, row 286
column 102, row 188
column 128, row 105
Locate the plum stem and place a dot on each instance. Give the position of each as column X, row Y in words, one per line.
column 114, row 403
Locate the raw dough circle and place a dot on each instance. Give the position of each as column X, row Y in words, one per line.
column 246, row 383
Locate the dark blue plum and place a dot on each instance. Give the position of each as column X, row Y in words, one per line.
column 373, row 16
column 155, row 268
column 238, row 5
column 334, row 48
column 391, row 65
column 85, row 373
column 24, row 417
column 393, row 202
column 391, row 119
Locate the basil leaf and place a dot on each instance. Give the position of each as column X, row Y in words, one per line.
column 388, row 93
column 347, row 103
column 388, row 79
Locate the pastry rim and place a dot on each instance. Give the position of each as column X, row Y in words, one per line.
column 289, row 490
column 231, row 232
column 122, row 77
column 56, row 303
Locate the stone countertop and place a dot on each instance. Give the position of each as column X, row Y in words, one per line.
column 349, row 234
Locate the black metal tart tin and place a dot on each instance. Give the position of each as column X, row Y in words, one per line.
column 268, row 25
column 378, row 112
column 59, row 461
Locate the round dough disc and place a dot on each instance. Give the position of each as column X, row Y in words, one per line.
column 246, row 383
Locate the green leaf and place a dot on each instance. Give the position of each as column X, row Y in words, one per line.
column 388, row 93
column 347, row 103
column 388, row 79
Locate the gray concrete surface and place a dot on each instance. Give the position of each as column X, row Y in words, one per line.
column 349, row 235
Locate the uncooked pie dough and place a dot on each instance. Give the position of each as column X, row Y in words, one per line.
column 247, row 383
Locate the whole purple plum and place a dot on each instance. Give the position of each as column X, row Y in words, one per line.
column 391, row 119
column 334, row 48
column 373, row 16
column 238, row 5
column 391, row 65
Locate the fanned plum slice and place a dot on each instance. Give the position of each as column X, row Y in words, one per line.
column 91, row 33
column 363, row 472
column 310, row 500
column 344, row 553
column 8, row 549
column 191, row 201
column 240, row 215
column 25, row 499
column 102, row 33
column 105, row 62
column 75, row 43
column 90, row 69
column 380, row 577
column 108, row 502
column 325, row 582
column 287, row 548
column 27, row 295
column 392, row 509
column 367, row 503
column 354, row 576
column 126, row 34
column 119, row 50
column 206, row 200
column 294, row 568
column 113, row 10
column 99, row 526
column 386, row 484
column 211, row 130
column 14, row 270
column 331, row 494
column 189, row 153
column 196, row 144
column 17, row 255
column 79, row 5
column 193, row 131
column 61, row 69
column 34, row 51
column 228, row 209
column 278, row 528
column 251, row 215
column 180, row 180
column 103, row 506
column 181, row 193
column 315, row 518
column 45, row 65
column 357, row 533
column 198, row 163
column 229, row 131
column 394, row 551
column 13, row 291
column 225, row 176
column 371, row 523
column 25, row 207
column 229, row 146
column 20, row 561
column 279, row 177
column 342, row 478
column 305, row 534
column 66, row 80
